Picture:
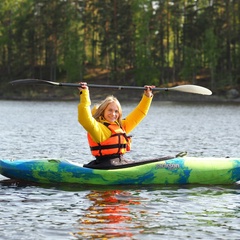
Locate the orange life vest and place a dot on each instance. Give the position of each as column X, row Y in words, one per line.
column 118, row 143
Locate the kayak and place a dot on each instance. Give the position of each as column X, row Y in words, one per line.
column 176, row 170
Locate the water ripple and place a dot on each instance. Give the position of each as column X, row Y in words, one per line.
column 50, row 129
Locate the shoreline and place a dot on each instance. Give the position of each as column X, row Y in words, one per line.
column 176, row 97
column 41, row 93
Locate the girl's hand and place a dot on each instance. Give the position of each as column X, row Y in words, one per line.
column 83, row 86
column 148, row 90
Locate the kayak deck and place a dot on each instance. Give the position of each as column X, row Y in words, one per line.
column 179, row 170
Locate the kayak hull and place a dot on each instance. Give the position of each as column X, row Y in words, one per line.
column 181, row 170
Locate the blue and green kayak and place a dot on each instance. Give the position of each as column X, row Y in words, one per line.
column 176, row 170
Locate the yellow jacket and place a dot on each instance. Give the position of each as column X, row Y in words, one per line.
column 98, row 131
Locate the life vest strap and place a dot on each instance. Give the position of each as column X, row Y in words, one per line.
column 100, row 147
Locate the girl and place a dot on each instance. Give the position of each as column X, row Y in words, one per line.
column 107, row 131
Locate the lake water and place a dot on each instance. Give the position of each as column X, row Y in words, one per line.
column 50, row 129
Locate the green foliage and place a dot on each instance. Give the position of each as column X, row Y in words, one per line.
column 211, row 53
column 158, row 41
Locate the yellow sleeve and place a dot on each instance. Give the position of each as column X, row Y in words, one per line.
column 97, row 130
column 137, row 115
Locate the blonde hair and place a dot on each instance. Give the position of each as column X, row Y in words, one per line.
column 100, row 108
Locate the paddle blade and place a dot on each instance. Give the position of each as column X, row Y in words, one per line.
column 192, row 89
column 33, row 81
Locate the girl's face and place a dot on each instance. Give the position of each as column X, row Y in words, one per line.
column 111, row 113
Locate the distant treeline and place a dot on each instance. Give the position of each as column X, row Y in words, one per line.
column 132, row 41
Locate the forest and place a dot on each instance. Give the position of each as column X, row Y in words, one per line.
column 128, row 42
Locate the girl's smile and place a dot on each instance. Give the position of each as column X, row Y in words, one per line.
column 111, row 113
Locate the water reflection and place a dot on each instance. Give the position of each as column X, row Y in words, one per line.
column 50, row 129
column 150, row 212
column 108, row 216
